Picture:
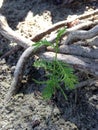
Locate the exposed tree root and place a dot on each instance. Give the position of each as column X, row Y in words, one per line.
column 76, row 61
column 81, row 58
column 89, row 14
column 81, row 34
column 81, row 26
column 64, row 23
column 88, row 42
column 11, row 35
column 19, row 73
column 88, row 82
column 77, row 50
column 7, row 32
column 92, row 41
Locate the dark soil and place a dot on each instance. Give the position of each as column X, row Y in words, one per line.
column 27, row 110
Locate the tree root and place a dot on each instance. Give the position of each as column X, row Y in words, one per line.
column 19, row 73
column 77, row 50
column 89, row 15
column 92, row 41
column 11, row 35
column 88, row 42
column 83, row 25
column 74, row 55
column 82, row 35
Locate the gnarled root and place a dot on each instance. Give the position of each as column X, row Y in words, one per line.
column 11, row 35
column 76, row 59
column 77, row 50
column 18, row 74
column 82, row 35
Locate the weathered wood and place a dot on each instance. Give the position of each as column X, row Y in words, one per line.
column 81, row 26
column 7, row 32
column 11, row 35
column 18, row 74
column 92, row 41
column 88, row 14
column 77, row 50
column 88, row 82
column 87, row 42
column 63, row 23
column 82, row 34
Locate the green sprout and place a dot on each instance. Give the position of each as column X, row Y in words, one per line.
column 57, row 72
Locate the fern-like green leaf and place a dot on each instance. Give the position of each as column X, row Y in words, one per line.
column 42, row 43
column 60, row 33
column 69, row 78
column 56, row 71
column 50, row 88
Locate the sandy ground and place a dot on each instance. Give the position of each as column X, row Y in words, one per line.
column 27, row 110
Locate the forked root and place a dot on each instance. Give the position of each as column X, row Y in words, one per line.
column 79, row 57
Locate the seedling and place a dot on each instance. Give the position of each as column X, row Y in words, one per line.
column 57, row 72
